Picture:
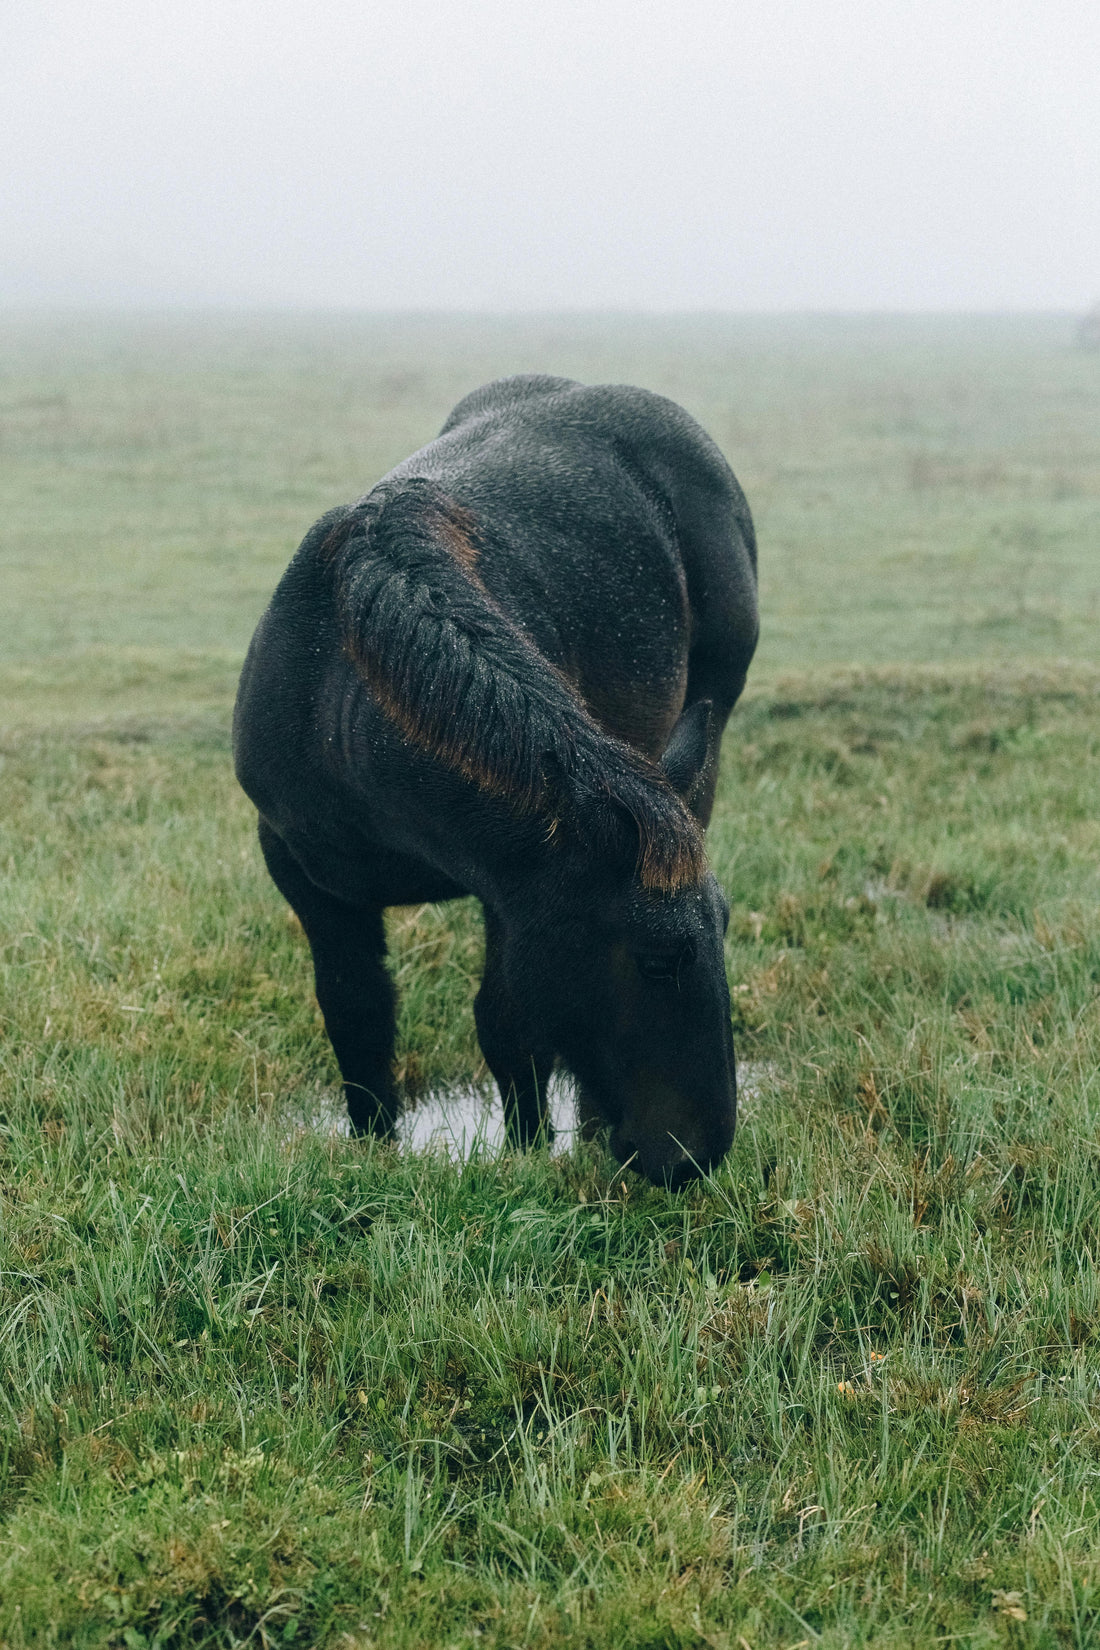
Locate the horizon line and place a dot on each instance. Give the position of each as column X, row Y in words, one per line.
column 259, row 308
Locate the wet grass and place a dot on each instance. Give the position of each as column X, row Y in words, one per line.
column 258, row 1382
column 259, row 1385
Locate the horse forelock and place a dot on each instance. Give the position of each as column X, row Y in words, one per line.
column 670, row 852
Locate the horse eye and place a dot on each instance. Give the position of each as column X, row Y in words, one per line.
column 666, row 965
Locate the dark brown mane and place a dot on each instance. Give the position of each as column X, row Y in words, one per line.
column 461, row 682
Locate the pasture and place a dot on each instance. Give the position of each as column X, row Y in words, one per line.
column 261, row 1384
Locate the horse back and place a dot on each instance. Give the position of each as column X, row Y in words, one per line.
column 610, row 528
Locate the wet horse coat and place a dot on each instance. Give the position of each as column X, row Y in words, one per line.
column 505, row 671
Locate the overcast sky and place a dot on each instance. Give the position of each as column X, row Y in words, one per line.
column 714, row 154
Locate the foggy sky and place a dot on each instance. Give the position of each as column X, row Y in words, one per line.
column 461, row 154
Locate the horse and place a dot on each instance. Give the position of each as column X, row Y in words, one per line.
column 505, row 671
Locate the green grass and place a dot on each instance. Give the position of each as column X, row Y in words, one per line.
column 260, row 1385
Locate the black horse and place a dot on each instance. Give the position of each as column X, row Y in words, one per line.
column 506, row 672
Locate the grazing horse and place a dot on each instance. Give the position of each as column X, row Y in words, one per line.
column 505, row 672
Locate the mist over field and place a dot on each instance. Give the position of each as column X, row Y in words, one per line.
column 924, row 489
column 637, row 155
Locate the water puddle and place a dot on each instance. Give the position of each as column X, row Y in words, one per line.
column 458, row 1121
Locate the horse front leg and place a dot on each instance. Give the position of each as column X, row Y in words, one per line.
column 521, row 1069
column 354, row 988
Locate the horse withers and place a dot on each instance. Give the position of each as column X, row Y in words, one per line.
column 505, row 672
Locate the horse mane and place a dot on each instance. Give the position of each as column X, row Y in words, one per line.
column 461, row 681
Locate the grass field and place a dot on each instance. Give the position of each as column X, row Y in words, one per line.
column 262, row 1385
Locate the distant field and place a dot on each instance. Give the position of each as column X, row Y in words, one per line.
column 261, row 1386
column 925, row 489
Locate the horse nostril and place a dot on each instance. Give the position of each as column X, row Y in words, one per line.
column 666, row 1163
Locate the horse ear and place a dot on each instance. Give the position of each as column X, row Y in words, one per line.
column 686, row 751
